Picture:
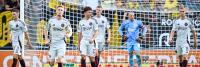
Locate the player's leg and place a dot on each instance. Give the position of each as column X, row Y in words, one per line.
column 52, row 56
column 83, row 52
column 185, row 52
column 21, row 60
column 100, row 49
column 179, row 53
column 15, row 56
column 14, row 60
column 61, row 54
column 91, row 51
column 130, row 53
column 136, row 52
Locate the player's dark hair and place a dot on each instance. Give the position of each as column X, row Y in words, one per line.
column 87, row 8
column 99, row 6
column 60, row 6
column 15, row 10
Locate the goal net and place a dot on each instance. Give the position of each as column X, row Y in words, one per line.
column 157, row 15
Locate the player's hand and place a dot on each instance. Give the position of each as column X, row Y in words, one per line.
column 108, row 40
column 195, row 45
column 47, row 41
column 124, row 38
column 30, row 45
column 170, row 41
column 91, row 41
column 97, row 52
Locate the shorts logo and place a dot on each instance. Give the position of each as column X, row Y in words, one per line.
column 62, row 25
column 186, row 24
column 90, row 24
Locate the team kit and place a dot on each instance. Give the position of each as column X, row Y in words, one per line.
column 92, row 36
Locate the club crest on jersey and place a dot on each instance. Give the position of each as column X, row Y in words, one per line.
column 62, row 25
column 102, row 21
column 90, row 24
column 186, row 24
column 17, row 25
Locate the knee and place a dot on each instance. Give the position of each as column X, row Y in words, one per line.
column 15, row 56
column 20, row 57
column 51, row 63
column 59, row 60
column 83, row 58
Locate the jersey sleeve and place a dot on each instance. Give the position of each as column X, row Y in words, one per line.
column 192, row 27
column 24, row 27
column 140, row 24
column 175, row 26
column 10, row 26
column 47, row 25
column 79, row 27
column 107, row 23
column 95, row 24
column 68, row 28
column 121, row 27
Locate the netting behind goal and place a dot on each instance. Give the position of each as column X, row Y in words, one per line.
column 158, row 16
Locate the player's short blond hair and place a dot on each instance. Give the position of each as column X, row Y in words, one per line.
column 60, row 6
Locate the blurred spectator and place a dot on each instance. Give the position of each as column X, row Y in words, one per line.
column 170, row 4
column 1, row 5
column 11, row 4
column 133, row 5
column 118, row 3
column 92, row 3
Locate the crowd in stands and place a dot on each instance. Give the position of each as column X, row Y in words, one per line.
column 156, row 5
column 8, row 5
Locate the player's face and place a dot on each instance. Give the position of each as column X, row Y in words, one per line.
column 131, row 16
column 98, row 11
column 15, row 15
column 59, row 11
column 182, row 12
column 88, row 13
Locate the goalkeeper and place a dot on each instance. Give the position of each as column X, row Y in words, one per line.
column 131, row 37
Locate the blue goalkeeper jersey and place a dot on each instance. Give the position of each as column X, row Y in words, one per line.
column 132, row 29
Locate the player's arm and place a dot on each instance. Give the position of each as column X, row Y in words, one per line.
column 96, row 32
column 25, row 29
column 108, row 30
column 121, row 27
column 79, row 35
column 69, row 30
column 174, row 28
column 194, row 34
column 10, row 32
column 45, row 32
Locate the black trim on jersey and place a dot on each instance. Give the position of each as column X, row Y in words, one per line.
column 65, row 40
column 188, row 41
column 20, row 44
column 95, row 20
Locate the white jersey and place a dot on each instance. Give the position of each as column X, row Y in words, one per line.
column 57, row 30
column 17, row 28
column 87, row 28
column 183, row 28
column 103, row 24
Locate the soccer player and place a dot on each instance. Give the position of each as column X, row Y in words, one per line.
column 17, row 28
column 103, row 25
column 132, row 29
column 183, row 26
column 59, row 28
column 87, row 32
